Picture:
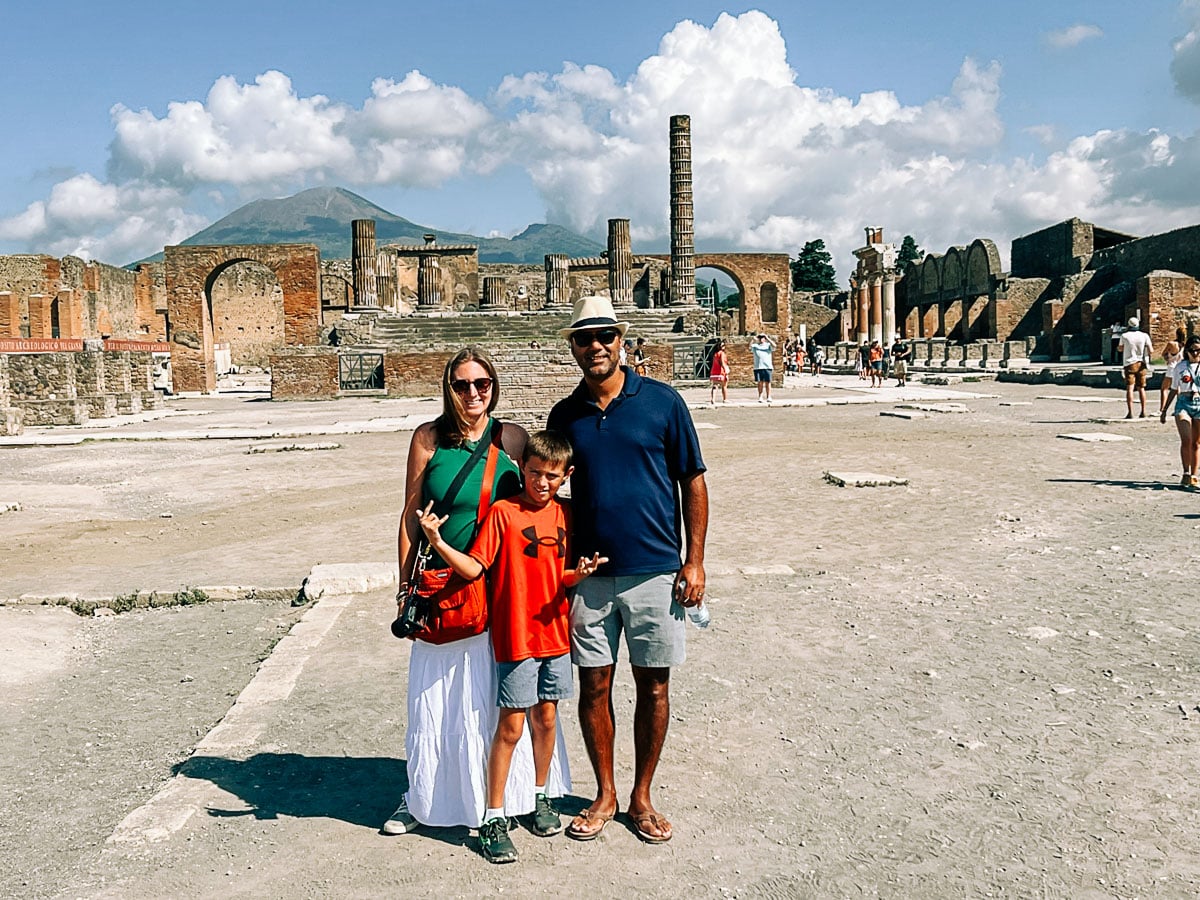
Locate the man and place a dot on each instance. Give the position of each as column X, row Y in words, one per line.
column 761, row 348
column 901, row 354
column 638, row 472
column 1135, row 362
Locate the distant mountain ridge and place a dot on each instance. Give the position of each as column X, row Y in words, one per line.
column 322, row 216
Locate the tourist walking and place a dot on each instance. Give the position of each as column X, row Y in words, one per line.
column 718, row 375
column 452, row 682
column 764, row 368
column 875, row 362
column 638, row 476
column 901, row 354
column 1172, row 353
column 1135, row 362
column 1185, row 391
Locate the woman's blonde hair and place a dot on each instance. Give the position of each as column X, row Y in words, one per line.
column 451, row 426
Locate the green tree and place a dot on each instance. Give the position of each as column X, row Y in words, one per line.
column 909, row 252
column 813, row 269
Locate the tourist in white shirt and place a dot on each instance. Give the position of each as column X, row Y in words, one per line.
column 1135, row 362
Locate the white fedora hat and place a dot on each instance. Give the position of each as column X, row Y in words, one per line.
column 593, row 312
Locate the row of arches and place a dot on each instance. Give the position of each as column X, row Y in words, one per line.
column 957, row 274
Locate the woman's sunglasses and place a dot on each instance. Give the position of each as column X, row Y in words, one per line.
column 462, row 385
column 605, row 336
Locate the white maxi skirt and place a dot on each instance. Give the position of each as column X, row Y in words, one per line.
column 452, row 716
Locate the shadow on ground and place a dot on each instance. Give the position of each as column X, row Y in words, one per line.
column 1119, row 482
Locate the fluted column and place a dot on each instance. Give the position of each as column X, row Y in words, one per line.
column 683, row 248
column 620, row 261
column 864, row 310
column 556, row 281
column 876, row 329
column 493, row 292
column 385, row 279
column 889, row 308
column 428, row 296
column 363, row 258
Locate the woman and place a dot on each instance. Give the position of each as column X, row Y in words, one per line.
column 452, row 710
column 1172, row 353
column 875, row 361
column 718, row 375
column 1184, row 376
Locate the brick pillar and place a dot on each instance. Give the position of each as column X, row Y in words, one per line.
column 557, row 293
column 876, row 328
column 861, row 320
column 429, row 297
column 889, row 308
column 965, row 319
column 929, row 321
column 493, row 292
column 39, row 316
column 363, row 258
column 10, row 315
column 912, row 323
column 951, row 315
column 683, row 250
column 620, row 260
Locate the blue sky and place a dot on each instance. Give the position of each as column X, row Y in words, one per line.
column 135, row 127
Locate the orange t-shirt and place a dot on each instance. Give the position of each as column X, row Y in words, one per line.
column 524, row 550
column 876, row 354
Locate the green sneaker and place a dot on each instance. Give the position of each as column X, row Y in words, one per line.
column 495, row 843
column 545, row 820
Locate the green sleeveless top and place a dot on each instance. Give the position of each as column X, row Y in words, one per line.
column 440, row 472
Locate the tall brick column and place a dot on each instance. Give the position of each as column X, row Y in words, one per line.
column 363, row 257
column 10, row 315
column 39, row 316
column 864, row 310
column 889, row 308
column 493, row 292
column 428, row 296
column 683, row 248
column 876, row 330
column 557, row 293
column 620, row 260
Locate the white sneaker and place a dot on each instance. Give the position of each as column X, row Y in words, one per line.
column 401, row 821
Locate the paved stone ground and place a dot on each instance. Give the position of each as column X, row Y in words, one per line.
column 983, row 682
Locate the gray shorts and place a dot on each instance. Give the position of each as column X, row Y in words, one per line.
column 641, row 607
column 521, row 685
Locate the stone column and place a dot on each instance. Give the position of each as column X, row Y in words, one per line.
column 493, row 292
column 683, row 250
column 39, row 316
column 385, row 279
column 889, row 308
column 557, row 292
column 429, row 298
column 964, row 321
column 876, row 331
column 10, row 315
column 620, row 261
column 864, row 311
column 363, row 258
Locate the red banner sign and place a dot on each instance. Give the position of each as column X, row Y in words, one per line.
column 142, row 346
column 40, row 345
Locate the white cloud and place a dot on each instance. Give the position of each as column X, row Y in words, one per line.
column 776, row 162
column 1073, row 36
column 1185, row 63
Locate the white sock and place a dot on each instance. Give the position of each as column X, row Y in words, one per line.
column 489, row 814
column 539, row 789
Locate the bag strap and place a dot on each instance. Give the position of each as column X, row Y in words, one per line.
column 480, row 449
column 489, row 478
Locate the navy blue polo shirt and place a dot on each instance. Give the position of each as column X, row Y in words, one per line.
column 629, row 460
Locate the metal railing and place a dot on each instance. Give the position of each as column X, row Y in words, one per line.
column 360, row 371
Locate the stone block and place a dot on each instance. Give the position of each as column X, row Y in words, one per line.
column 100, row 406
column 864, row 479
column 128, row 403
column 150, row 399
column 52, row 412
column 11, row 421
column 1096, row 437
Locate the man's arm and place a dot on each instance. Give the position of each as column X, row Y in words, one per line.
column 689, row 582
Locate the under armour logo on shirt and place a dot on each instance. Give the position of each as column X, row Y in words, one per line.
column 531, row 549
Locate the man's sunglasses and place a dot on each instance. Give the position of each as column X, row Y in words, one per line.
column 462, row 385
column 605, row 336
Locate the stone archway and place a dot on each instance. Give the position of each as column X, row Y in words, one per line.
column 190, row 274
column 763, row 279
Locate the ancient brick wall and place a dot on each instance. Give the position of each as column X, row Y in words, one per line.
column 247, row 312
column 1061, row 249
column 1176, row 251
column 41, row 376
column 1166, row 301
column 1018, row 313
column 820, row 321
column 309, row 373
column 518, row 276
column 337, row 285
column 458, row 279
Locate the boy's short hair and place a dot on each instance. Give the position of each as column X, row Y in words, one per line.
column 550, row 446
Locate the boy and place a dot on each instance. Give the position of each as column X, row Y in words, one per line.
column 523, row 544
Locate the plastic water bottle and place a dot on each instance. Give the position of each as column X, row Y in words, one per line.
column 699, row 615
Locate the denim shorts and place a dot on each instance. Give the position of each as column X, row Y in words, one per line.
column 1187, row 406
column 521, row 685
column 639, row 606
